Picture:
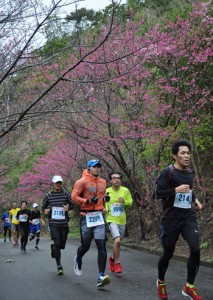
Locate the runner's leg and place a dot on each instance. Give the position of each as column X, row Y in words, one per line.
column 191, row 235
column 169, row 242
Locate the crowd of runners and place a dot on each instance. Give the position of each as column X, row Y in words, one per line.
column 101, row 206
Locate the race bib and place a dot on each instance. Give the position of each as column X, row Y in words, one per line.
column 7, row 220
column 36, row 221
column 183, row 200
column 94, row 219
column 117, row 209
column 23, row 218
column 58, row 213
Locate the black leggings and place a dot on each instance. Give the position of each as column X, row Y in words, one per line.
column 98, row 233
column 189, row 231
column 59, row 236
column 7, row 228
column 102, row 254
column 24, row 232
column 37, row 235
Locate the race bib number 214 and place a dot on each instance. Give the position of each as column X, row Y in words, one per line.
column 183, row 200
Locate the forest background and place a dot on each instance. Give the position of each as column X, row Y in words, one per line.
column 119, row 84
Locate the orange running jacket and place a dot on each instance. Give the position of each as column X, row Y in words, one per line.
column 85, row 188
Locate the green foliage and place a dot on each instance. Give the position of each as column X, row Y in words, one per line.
column 204, row 245
column 178, row 9
column 74, row 226
column 24, row 164
column 84, row 18
column 53, row 46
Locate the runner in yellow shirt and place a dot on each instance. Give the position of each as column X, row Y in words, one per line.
column 120, row 198
column 15, row 224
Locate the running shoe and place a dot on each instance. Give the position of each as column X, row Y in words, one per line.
column 118, row 268
column 52, row 250
column 103, row 280
column 4, row 240
column 162, row 294
column 60, row 270
column 77, row 271
column 111, row 264
column 191, row 292
column 36, row 247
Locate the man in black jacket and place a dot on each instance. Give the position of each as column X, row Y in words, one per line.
column 175, row 187
column 23, row 216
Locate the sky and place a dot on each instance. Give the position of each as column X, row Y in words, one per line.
column 97, row 4
column 89, row 4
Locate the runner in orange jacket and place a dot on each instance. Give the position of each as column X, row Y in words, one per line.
column 86, row 188
column 89, row 192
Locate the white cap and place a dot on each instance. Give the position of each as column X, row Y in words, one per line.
column 35, row 205
column 57, row 178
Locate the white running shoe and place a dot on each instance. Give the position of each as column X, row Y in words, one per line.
column 103, row 280
column 77, row 271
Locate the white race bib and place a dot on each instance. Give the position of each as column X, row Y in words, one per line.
column 117, row 209
column 7, row 220
column 36, row 221
column 23, row 218
column 94, row 219
column 58, row 213
column 183, row 200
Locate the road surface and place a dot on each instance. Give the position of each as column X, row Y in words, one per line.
column 32, row 276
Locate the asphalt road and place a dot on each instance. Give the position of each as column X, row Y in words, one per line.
column 32, row 276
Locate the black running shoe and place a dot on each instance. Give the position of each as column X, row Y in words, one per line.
column 60, row 270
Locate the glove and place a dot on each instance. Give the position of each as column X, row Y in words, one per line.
column 94, row 200
column 106, row 198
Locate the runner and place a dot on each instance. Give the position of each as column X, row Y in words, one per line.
column 23, row 217
column 89, row 193
column 35, row 224
column 7, row 225
column 56, row 205
column 175, row 186
column 120, row 198
column 15, row 224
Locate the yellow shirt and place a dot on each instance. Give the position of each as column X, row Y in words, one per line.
column 116, row 210
column 13, row 213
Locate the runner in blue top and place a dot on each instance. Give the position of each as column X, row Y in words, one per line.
column 35, row 221
column 7, row 224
